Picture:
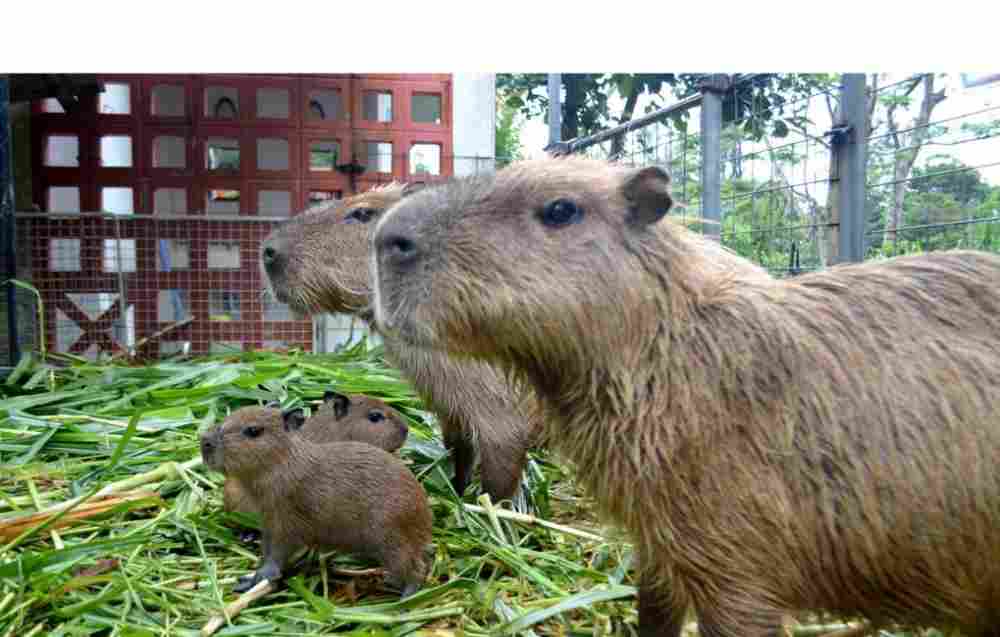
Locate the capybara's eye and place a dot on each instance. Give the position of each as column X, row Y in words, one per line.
column 561, row 212
column 251, row 432
column 375, row 416
column 360, row 215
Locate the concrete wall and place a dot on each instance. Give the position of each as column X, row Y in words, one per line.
column 474, row 104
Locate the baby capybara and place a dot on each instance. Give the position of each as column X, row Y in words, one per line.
column 358, row 418
column 318, row 262
column 827, row 442
column 346, row 496
column 340, row 418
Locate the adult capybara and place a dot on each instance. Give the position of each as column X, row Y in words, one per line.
column 347, row 496
column 827, row 442
column 339, row 418
column 318, row 262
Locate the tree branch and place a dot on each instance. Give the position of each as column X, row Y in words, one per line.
column 872, row 103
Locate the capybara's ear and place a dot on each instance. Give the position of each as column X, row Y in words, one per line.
column 411, row 188
column 294, row 419
column 648, row 191
column 341, row 403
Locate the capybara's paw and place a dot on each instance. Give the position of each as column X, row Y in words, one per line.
column 409, row 590
column 245, row 583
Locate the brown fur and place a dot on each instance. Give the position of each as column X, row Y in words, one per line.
column 825, row 442
column 339, row 418
column 347, row 496
column 320, row 265
column 358, row 418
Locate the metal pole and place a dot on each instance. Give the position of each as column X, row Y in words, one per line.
column 712, row 90
column 555, row 107
column 852, row 169
column 122, row 291
column 7, row 219
column 571, row 146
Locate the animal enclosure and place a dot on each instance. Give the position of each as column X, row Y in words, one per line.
column 141, row 211
column 186, row 191
column 768, row 165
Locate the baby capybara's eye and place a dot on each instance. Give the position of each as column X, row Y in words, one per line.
column 360, row 215
column 561, row 212
column 251, row 432
column 375, row 416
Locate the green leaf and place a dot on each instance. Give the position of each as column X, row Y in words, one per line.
column 580, row 600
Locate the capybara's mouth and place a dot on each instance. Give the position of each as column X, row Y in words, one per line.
column 211, row 454
column 415, row 333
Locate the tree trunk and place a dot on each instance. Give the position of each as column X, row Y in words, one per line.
column 831, row 237
column 571, row 105
column 907, row 149
column 618, row 141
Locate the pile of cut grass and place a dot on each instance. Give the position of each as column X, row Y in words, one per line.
column 147, row 550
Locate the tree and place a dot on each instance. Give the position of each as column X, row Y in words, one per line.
column 907, row 142
column 950, row 177
column 508, row 132
column 758, row 105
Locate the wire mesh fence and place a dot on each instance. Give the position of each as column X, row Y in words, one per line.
column 154, row 284
column 155, row 276
column 932, row 166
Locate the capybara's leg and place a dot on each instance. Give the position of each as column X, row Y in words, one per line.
column 737, row 616
column 657, row 619
column 404, row 572
column 276, row 554
column 234, row 498
column 463, row 454
column 659, row 615
column 501, row 463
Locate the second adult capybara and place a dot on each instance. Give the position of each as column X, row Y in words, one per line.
column 339, row 418
column 346, row 496
column 827, row 442
column 317, row 262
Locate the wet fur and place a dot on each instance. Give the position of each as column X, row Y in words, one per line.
column 327, row 271
column 388, row 434
column 323, row 427
column 345, row 496
column 827, row 442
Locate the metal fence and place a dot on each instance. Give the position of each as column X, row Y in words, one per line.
column 153, row 284
column 839, row 169
column 842, row 169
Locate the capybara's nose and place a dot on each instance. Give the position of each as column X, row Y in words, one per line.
column 207, row 445
column 272, row 255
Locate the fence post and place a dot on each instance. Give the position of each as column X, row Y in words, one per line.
column 555, row 107
column 851, row 169
column 713, row 88
column 7, row 219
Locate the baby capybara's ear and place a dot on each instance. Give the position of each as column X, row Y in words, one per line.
column 648, row 191
column 341, row 403
column 294, row 419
